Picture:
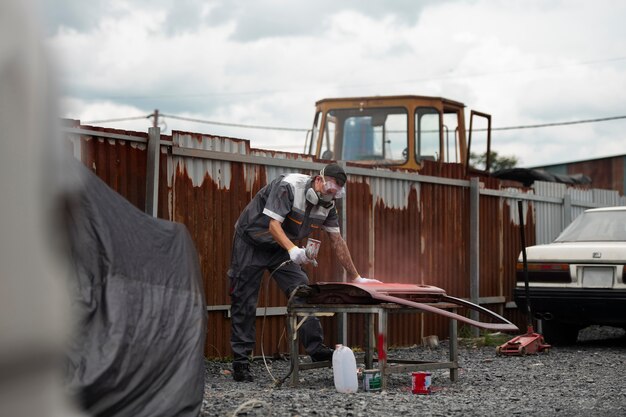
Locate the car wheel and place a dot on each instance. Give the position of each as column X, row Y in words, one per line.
column 560, row 334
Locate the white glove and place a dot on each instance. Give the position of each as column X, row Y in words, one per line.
column 361, row 280
column 298, row 256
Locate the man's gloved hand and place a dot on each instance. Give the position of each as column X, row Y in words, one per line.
column 360, row 280
column 298, row 256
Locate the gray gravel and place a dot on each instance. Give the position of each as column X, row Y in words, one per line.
column 586, row 379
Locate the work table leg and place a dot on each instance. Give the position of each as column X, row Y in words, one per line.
column 293, row 348
column 382, row 347
column 370, row 341
column 454, row 352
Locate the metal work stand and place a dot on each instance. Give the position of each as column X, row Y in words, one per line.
column 385, row 365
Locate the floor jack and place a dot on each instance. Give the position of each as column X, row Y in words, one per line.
column 530, row 343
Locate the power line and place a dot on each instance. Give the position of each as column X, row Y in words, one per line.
column 292, row 129
column 575, row 122
column 123, row 119
column 209, row 122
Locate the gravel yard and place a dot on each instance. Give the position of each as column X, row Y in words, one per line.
column 587, row 379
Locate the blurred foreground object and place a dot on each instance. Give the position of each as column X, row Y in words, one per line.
column 139, row 345
column 34, row 320
column 133, row 343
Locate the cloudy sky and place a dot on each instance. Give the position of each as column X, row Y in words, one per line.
column 266, row 62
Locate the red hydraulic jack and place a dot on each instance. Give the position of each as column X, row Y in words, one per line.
column 530, row 343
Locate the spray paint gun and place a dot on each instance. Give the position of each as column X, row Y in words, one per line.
column 311, row 250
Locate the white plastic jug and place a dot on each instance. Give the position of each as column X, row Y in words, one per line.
column 344, row 370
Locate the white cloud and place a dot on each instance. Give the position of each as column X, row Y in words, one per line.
column 267, row 62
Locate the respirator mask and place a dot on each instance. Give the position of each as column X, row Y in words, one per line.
column 330, row 191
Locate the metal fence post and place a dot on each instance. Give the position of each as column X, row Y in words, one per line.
column 342, row 325
column 474, row 248
column 152, row 171
column 567, row 210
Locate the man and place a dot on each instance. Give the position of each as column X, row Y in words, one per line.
column 284, row 211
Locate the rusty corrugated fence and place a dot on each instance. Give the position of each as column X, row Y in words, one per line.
column 400, row 226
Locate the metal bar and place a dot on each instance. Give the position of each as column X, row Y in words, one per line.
column 300, row 164
column 534, row 197
column 152, row 171
column 365, row 172
column 343, row 320
column 417, row 366
column 370, row 343
column 293, row 343
column 382, row 347
column 260, row 311
column 474, row 247
column 567, row 210
column 250, row 159
column 100, row 134
column 523, row 196
column 454, row 351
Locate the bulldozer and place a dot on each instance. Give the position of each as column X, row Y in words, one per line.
column 397, row 131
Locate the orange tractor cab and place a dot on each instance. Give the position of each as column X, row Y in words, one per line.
column 397, row 131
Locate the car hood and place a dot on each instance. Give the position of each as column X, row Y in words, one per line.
column 593, row 252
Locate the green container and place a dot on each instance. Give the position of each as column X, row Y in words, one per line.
column 372, row 380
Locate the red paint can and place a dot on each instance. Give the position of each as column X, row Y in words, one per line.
column 420, row 382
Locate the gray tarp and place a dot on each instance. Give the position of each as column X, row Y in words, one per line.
column 139, row 342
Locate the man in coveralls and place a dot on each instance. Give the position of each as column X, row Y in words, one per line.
column 286, row 210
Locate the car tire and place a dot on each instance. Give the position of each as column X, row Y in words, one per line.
column 559, row 334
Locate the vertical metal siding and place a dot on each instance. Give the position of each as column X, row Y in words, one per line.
column 549, row 216
column 121, row 164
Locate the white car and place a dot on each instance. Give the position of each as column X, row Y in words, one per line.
column 580, row 278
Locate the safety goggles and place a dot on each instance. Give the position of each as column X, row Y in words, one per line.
column 331, row 187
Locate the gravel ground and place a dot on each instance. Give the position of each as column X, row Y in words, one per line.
column 586, row 379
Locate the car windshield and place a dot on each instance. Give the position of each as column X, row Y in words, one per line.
column 603, row 226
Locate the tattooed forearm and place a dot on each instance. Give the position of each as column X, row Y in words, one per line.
column 343, row 254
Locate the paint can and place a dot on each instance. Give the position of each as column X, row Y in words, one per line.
column 312, row 248
column 420, row 382
column 372, row 380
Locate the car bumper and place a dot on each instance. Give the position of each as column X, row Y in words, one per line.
column 577, row 306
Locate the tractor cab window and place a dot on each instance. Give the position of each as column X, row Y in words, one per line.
column 376, row 135
column 427, row 134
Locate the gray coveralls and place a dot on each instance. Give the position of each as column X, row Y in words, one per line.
column 254, row 251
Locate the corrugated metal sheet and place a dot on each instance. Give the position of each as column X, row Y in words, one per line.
column 605, row 173
column 550, row 220
column 398, row 230
column 121, row 164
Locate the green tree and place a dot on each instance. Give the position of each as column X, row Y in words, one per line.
column 497, row 162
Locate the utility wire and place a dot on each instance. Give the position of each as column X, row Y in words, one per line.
column 209, row 122
column 291, row 129
column 123, row 119
column 575, row 122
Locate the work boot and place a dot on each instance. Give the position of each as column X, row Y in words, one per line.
column 323, row 353
column 241, row 372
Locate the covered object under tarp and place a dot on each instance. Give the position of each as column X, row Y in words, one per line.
column 141, row 315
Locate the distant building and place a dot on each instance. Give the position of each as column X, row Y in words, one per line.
column 606, row 173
